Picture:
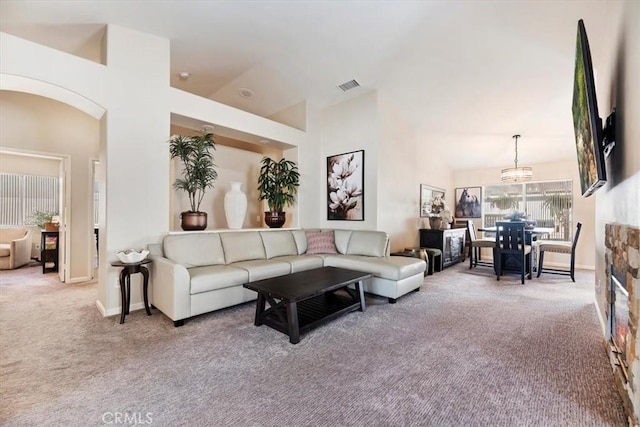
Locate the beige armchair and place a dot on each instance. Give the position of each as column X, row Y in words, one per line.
column 15, row 247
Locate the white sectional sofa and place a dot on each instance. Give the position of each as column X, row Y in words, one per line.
column 198, row 272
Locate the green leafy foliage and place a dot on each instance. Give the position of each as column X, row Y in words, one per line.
column 504, row 202
column 198, row 173
column 40, row 218
column 278, row 183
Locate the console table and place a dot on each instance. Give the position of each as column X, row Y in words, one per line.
column 449, row 241
column 49, row 243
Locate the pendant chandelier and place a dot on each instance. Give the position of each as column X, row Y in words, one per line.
column 516, row 173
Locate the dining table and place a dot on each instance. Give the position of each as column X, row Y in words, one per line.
column 531, row 236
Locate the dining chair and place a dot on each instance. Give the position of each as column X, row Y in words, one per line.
column 511, row 248
column 559, row 246
column 475, row 246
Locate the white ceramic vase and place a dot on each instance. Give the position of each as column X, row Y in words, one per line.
column 235, row 206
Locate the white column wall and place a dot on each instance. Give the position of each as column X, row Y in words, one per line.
column 135, row 153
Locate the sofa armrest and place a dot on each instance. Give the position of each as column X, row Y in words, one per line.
column 170, row 288
column 21, row 251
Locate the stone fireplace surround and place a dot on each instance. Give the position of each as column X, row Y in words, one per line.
column 623, row 253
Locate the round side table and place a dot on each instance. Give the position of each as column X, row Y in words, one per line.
column 125, row 284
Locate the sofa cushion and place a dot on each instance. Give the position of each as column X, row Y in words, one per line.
column 242, row 246
column 321, row 242
column 212, row 277
column 342, row 240
column 301, row 240
column 5, row 249
column 194, row 250
column 368, row 243
column 302, row 262
column 259, row 269
column 391, row 268
column 278, row 243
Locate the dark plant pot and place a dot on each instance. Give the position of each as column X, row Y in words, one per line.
column 193, row 221
column 51, row 226
column 275, row 219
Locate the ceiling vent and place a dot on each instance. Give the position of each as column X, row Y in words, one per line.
column 351, row 84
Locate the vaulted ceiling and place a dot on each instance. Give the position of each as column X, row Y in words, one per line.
column 466, row 74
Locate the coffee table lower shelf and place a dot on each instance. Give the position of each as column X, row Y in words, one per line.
column 292, row 319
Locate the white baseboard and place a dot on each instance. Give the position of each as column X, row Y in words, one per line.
column 602, row 320
column 101, row 308
column 81, row 279
column 117, row 310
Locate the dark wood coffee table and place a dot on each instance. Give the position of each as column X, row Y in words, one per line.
column 301, row 301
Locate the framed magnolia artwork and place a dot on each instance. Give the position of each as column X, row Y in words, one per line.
column 345, row 186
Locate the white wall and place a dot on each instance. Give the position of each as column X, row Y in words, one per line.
column 33, row 123
column 397, row 161
column 312, row 165
column 26, row 164
column 406, row 161
column 351, row 126
column 583, row 207
column 619, row 200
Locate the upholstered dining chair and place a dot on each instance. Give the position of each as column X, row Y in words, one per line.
column 511, row 245
column 476, row 244
column 559, row 246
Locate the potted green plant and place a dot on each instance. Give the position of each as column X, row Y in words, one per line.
column 198, row 174
column 504, row 202
column 559, row 206
column 278, row 184
column 43, row 219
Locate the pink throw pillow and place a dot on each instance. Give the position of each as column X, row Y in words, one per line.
column 321, row 242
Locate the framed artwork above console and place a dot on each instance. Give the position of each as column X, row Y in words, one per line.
column 427, row 195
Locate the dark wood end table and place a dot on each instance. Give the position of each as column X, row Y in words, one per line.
column 125, row 284
column 301, row 301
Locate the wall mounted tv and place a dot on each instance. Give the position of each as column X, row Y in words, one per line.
column 592, row 141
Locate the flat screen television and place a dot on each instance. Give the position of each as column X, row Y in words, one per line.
column 586, row 121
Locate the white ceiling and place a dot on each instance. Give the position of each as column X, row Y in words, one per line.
column 467, row 74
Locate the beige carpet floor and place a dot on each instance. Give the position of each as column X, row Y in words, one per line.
column 464, row 351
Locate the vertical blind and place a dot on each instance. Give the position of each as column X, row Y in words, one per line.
column 549, row 203
column 22, row 195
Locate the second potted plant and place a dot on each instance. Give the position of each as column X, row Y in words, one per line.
column 278, row 184
column 198, row 174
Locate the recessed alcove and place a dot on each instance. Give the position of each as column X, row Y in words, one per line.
column 237, row 159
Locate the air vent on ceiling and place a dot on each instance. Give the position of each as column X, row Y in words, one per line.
column 349, row 85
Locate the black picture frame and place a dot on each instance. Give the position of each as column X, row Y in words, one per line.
column 427, row 194
column 345, row 186
column 468, row 202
